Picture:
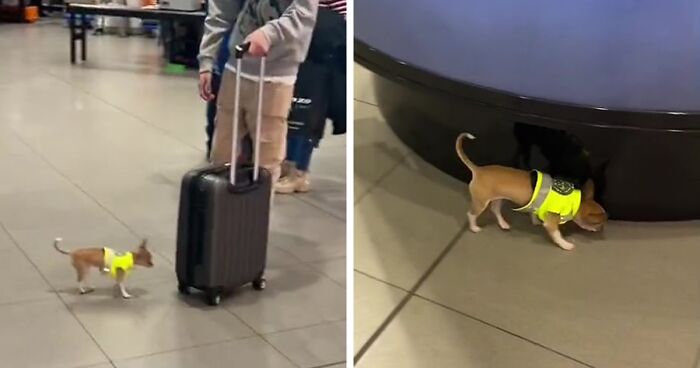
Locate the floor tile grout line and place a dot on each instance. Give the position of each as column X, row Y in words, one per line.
column 395, row 312
column 309, row 267
column 304, row 327
column 26, row 301
column 96, row 365
column 307, row 202
column 310, row 264
column 279, row 351
column 185, row 348
column 85, row 192
column 121, row 109
column 380, row 280
column 312, row 204
column 262, row 337
column 329, row 365
column 366, row 102
column 58, row 295
column 496, row 327
column 376, row 183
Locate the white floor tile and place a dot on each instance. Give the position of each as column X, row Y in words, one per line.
column 426, row 335
column 312, row 346
column 374, row 301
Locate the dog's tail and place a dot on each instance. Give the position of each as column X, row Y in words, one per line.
column 55, row 245
column 460, row 152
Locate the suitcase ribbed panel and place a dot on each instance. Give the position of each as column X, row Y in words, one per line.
column 222, row 239
column 187, row 233
column 239, row 240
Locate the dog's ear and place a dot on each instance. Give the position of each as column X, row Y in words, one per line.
column 588, row 190
column 143, row 244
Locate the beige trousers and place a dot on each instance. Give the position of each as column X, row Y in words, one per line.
column 277, row 100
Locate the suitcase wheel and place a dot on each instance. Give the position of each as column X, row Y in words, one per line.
column 183, row 289
column 213, row 297
column 259, row 284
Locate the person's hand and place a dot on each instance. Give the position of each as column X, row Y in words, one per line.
column 205, row 86
column 259, row 44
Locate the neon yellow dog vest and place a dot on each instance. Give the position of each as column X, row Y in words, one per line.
column 116, row 261
column 553, row 195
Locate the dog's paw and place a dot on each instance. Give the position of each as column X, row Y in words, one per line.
column 566, row 245
column 475, row 229
column 84, row 291
column 126, row 296
column 504, row 225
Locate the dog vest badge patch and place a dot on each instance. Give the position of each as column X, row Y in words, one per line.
column 562, row 187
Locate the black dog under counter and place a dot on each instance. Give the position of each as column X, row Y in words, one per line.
column 620, row 78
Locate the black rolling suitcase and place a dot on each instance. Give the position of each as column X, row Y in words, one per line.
column 223, row 221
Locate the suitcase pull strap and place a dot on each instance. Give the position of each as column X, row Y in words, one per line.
column 239, row 51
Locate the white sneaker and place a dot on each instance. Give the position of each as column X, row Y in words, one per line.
column 297, row 182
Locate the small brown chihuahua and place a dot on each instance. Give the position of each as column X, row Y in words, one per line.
column 117, row 265
column 549, row 200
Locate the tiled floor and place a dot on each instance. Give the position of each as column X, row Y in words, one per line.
column 94, row 153
column 430, row 294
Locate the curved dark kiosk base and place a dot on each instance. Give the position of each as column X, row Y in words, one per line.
column 521, row 86
column 650, row 176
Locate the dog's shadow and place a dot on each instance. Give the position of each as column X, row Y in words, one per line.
column 104, row 298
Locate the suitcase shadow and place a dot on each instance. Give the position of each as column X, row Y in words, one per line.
column 283, row 277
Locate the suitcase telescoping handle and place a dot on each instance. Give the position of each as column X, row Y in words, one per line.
column 239, row 51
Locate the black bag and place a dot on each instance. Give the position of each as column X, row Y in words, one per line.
column 309, row 110
column 223, row 223
column 319, row 92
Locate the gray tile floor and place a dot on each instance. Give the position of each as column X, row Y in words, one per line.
column 430, row 294
column 94, row 153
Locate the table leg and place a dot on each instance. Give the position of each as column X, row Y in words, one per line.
column 83, row 37
column 71, row 23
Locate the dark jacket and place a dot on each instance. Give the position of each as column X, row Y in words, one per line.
column 328, row 39
column 323, row 74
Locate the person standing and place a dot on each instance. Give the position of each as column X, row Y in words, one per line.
column 322, row 84
column 217, row 70
column 278, row 29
